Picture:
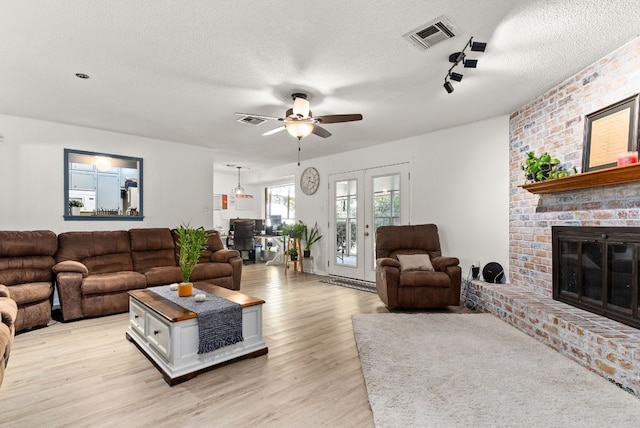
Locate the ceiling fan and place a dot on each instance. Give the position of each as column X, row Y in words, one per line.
column 299, row 121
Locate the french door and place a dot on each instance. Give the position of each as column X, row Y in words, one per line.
column 360, row 201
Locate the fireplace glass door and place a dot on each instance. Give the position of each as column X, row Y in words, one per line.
column 596, row 269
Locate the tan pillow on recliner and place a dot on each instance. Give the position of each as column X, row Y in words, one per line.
column 415, row 262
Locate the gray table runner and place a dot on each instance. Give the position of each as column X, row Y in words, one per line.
column 219, row 320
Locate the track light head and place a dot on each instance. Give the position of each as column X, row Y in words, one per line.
column 470, row 63
column 455, row 76
column 448, row 86
column 478, row 46
column 456, row 57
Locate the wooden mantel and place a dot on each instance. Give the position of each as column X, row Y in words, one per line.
column 585, row 180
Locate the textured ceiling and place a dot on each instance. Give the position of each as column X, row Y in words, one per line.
column 178, row 70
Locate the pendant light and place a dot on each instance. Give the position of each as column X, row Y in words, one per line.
column 239, row 190
column 102, row 164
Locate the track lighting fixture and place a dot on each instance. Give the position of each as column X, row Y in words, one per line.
column 448, row 86
column 478, row 46
column 457, row 58
column 455, row 76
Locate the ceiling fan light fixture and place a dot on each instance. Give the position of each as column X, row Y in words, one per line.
column 299, row 129
column 300, row 106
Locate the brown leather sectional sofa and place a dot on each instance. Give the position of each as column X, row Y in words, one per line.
column 95, row 270
column 26, row 259
column 8, row 313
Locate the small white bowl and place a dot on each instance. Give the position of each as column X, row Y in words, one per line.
column 200, row 297
column 173, row 286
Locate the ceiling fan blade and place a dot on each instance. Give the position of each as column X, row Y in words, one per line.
column 260, row 116
column 273, row 131
column 320, row 132
column 337, row 118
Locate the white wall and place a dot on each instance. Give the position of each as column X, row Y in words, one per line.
column 459, row 181
column 178, row 178
column 225, row 180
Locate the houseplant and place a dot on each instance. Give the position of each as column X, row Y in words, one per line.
column 296, row 230
column 191, row 242
column 544, row 167
column 74, row 206
column 293, row 253
column 311, row 236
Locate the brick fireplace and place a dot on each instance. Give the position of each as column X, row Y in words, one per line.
column 554, row 122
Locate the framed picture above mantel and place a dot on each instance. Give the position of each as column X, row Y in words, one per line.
column 609, row 132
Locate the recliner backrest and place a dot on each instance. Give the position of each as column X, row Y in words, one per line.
column 26, row 256
column 407, row 239
column 152, row 247
column 100, row 251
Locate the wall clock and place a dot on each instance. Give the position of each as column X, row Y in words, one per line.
column 309, row 180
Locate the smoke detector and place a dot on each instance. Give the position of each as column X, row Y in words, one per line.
column 436, row 31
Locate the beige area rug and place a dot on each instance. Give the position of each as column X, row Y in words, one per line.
column 474, row 370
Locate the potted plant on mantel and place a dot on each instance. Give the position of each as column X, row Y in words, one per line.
column 74, row 206
column 544, row 167
column 191, row 243
column 311, row 236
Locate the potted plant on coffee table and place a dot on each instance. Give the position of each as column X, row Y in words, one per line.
column 191, row 243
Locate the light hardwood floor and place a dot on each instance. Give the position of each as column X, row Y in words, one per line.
column 85, row 373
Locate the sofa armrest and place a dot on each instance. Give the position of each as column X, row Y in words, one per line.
column 4, row 291
column 70, row 294
column 224, row 256
column 71, row 266
column 442, row 263
column 388, row 261
column 8, row 311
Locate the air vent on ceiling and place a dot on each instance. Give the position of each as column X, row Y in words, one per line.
column 434, row 32
column 251, row 120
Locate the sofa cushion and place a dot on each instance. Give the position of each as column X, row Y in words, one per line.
column 415, row 262
column 31, row 292
column 100, row 252
column 163, row 275
column 20, row 270
column 204, row 271
column 424, row 278
column 112, row 282
column 27, row 243
column 152, row 247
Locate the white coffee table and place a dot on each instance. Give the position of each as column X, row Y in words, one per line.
column 168, row 333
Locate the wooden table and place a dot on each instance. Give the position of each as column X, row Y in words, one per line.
column 167, row 334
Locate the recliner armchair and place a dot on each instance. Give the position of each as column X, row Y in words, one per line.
column 411, row 271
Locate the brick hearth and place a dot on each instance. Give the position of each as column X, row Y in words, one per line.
column 554, row 122
column 604, row 346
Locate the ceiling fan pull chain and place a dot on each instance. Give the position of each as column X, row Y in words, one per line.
column 298, row 151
